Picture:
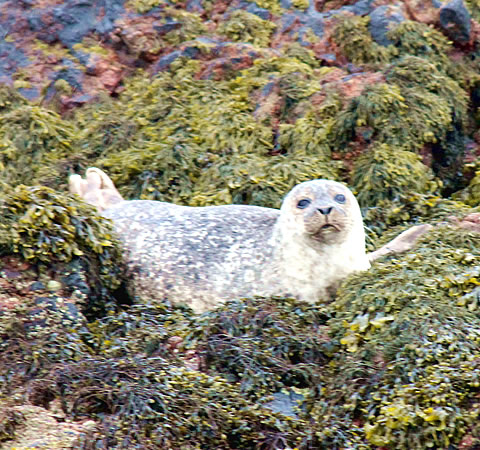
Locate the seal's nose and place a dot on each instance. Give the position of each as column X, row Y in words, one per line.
column 326, row 211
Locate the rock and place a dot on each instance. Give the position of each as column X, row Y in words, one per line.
column 383, row 19
column 37, row 286
column 455, row 21
column 424, row 11
column 286, row 402
column 38, row 428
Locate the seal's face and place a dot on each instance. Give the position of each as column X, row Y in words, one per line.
column 325, row 211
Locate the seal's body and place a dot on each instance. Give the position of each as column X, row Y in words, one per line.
column 205, row 256
column 202, row 256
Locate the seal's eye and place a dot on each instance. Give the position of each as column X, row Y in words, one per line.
column 302, row 204
column 340, row 198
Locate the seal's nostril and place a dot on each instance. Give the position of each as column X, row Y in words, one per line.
column 325, row 211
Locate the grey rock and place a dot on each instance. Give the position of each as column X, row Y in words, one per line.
column 286, row 403
column 383, row 19
column 455, row 20
column 36, row 286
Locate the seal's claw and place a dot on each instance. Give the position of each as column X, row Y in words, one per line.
column 76, row 185
column 97, row 175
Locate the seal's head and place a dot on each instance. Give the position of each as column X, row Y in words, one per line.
column 323, row 212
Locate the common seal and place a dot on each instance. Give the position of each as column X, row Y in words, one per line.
column 202, row 256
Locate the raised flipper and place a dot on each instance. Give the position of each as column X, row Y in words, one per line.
column 97, row 188
column 403, row 242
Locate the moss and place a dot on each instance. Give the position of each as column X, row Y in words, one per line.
column 384, row 172
column 45, row 226
column 243, row 26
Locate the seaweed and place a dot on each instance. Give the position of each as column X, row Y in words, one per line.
column 421, row 340
column 35, row 137
column 384, row 172
column 45, row 226
column 352, row 36
column 265, row 344
column 243, row 26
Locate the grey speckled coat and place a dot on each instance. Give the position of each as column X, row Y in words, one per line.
column 205, row 256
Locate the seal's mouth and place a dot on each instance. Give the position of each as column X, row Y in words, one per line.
column 325, row 230
column 329, row 226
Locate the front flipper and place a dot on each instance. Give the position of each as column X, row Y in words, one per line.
column 403, row 242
